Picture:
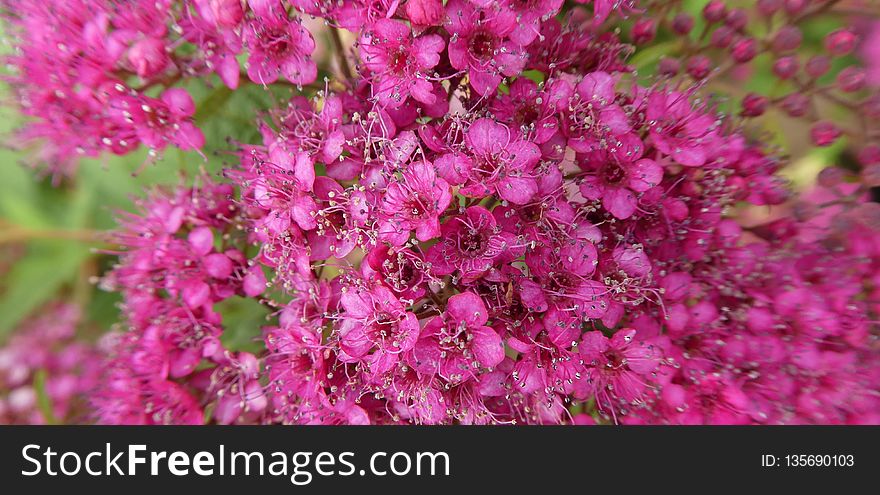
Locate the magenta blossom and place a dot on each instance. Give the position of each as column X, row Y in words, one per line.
column 456, row 345
column 470, row 245
column 617, row 183
column 685, row 133
column 532, row 110
column 496, row 160
column 481, row 43
column 562, row 281
column 413, row 203
column 619, row 368
column 399, row 62
column 279, row 45
column 376, row 329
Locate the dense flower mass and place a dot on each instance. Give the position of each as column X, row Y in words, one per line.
column 486, row 216
column 46, row 374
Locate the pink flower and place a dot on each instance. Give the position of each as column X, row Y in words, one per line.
column 617, row 183
column 295, row 364
column 594, row 120
column 533, row 111
column 279, row 45
column 562, row 280
column 401, row 270
column 470, row 245
column 302, row 129
column 619, row 368
column 677, row 129
column 481, row 43
column 399, row 62
column 159, row 122
column 376, row 329
column 424, row 12
column 495, row 160
column 456, row 345
column 413, row 202
column 341, row 218
column 530, row 13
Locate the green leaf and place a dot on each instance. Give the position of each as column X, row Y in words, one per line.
column 242, row 321
column 37, row 278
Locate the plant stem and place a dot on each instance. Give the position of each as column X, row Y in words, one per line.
column 18, row 234
column 339, row 49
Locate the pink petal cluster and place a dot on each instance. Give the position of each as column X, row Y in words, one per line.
column 87, row 71
column 69, row 370
column 488, row 219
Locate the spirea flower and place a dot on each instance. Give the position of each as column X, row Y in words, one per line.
column 470, row 212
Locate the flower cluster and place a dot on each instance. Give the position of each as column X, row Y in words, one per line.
column 734, row 39
column 46, row 375
column 96, row 76
column 183, row 254
column 487, row 218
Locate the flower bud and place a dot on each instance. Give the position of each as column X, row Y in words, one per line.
column 824, row 133
column 682, row 23
column 796, row 104
column 736, row 19
column 754, row 105
column 788, row 38
column 425, row 12
column 669, row 66
column 831, row 176
column 851, row 79
column 644, row 31
column 744, row 50
column 769, row 7
column 841, row 42
column 699, row 66
column 714, row 11
column 871, row 174
column 722, row 37
column 786, row 67
column 871, row 106
column 794, row 7
column 227, row 13
column 817, row 66
column 869, row 155
column 148, row 57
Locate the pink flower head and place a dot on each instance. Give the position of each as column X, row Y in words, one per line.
column 602, row 9
column 413, row 202
column 533, row 111
column 424, row 13
column 496, row 160
column 619, row 368
column 562, row 280
column 481, row 43
column 317, row 133
column 617, row 183
column 159, row 122
column 279, row 45
column 376, row 328
column 401, row 270
column 470, row 245
column 400, row 62
column 547, row 215
column 530, row 14
column 593, row 119
column 341, row 218
column 677, row 129
column 458, row 344
column 295, row 364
